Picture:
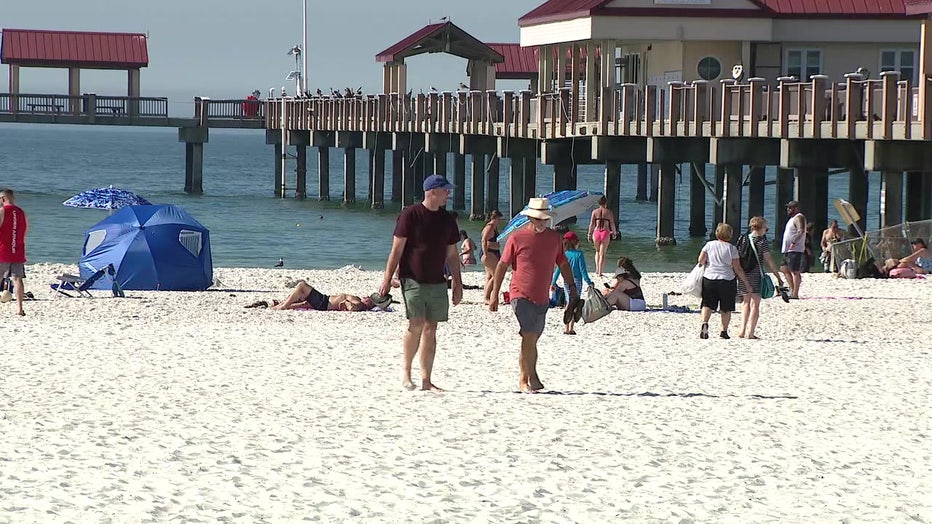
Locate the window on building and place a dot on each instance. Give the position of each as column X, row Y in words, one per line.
column 902, row 60
column 709, row 68
column 803, row 63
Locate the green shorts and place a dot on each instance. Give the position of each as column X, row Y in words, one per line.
column 427, row 301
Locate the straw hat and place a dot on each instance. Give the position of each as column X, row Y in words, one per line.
column 537, row 208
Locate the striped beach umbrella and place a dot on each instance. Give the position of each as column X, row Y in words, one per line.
column 564, row 205
column 106, row 198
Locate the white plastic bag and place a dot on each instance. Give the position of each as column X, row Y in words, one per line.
column 692, row 284
column 848, row 269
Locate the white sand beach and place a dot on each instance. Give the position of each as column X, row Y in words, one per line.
column 173, row 406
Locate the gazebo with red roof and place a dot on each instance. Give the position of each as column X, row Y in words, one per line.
column 74, row 51
column 443, row 37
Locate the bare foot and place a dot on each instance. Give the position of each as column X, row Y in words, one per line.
column 741, row 335
column 21, row 313
column 427, row 386
column 407, row 384
column 525, row 388
column 536, row 385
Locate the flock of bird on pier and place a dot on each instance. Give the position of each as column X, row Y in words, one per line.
column 349, row 92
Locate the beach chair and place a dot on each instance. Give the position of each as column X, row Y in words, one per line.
column 74, row 286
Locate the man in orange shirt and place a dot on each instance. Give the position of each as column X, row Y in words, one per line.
column 531, row 252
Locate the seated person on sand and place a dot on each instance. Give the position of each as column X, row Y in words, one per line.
column 920, row 260
column 626, row 294
column 305, row 296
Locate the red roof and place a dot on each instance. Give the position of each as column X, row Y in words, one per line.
column 31, row 47
column 845, row 8
column 520, row 62
column 918, row 7
column 556, row 10
column 388, row 55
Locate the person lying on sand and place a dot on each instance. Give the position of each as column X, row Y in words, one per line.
column 305, row 296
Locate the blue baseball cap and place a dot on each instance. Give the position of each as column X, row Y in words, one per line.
column 437, row 182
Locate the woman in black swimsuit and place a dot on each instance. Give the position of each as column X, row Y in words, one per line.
column 491, row 250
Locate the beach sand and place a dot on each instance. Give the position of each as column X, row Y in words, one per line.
column 169, row 406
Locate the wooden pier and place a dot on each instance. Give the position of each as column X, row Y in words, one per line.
column 807, row 129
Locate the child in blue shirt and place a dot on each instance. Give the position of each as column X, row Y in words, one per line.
column 577, row 263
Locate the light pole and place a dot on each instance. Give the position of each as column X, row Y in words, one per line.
column 304, row 48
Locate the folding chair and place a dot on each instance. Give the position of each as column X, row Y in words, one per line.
column 74, row 286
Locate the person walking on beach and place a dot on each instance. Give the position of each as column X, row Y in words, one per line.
column 531, row 252
column 579, row 275
column 491, row 249
column 719, row 280
column 13, row 227
column 602, row 229
column 794, row 247
column 750, row 303
column 424, row 242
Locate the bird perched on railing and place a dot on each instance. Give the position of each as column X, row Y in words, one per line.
column 463, row 86
column 359, row 91
column 433, row 89
column 319, row 92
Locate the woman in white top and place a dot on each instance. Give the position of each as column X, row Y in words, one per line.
column 719, row 285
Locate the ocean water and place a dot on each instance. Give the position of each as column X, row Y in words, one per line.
column 250, row 227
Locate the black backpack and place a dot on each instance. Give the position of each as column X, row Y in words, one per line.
column 746, row 255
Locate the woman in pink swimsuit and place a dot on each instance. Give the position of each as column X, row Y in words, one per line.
column 601, row 230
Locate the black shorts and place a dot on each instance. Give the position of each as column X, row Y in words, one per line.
column 794, row 260
column 719, row 294
column 318, row 300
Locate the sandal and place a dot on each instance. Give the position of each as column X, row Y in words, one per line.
column 258, row 303
column 724, row 334
column 704, row 332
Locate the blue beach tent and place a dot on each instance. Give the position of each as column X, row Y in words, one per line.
column 158, row 247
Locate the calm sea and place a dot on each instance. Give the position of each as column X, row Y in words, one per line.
column 249, row 227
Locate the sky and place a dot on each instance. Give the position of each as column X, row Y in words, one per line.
column 228, row 48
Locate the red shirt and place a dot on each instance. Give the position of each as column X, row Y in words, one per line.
column 532, row 257
column 429, row 235
column 13, row 235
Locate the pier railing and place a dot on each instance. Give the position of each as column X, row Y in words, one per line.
column 206, row 109
column 88, row 105
column 858, row 108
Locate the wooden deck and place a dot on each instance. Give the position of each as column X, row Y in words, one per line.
column 856, row 109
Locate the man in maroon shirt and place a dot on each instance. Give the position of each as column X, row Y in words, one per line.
column 424, row 242
column 531, row 252
column 13, row 244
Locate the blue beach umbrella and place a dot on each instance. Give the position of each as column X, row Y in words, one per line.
column 564, row 205
column 106, row 198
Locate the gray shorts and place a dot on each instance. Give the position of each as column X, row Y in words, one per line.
column 427, row 301
column 531, row 316
column 793, row 260
column 13, row 269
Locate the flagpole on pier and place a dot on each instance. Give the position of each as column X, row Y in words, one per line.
column 304, row 50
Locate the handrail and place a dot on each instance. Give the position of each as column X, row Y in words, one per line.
column 858, row 107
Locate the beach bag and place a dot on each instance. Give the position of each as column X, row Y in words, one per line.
column 595, row 306
column 848, row 269
column 692, row 285
column 747, row 255
column 767, row 289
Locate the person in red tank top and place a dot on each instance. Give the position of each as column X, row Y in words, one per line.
column 13, row 244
